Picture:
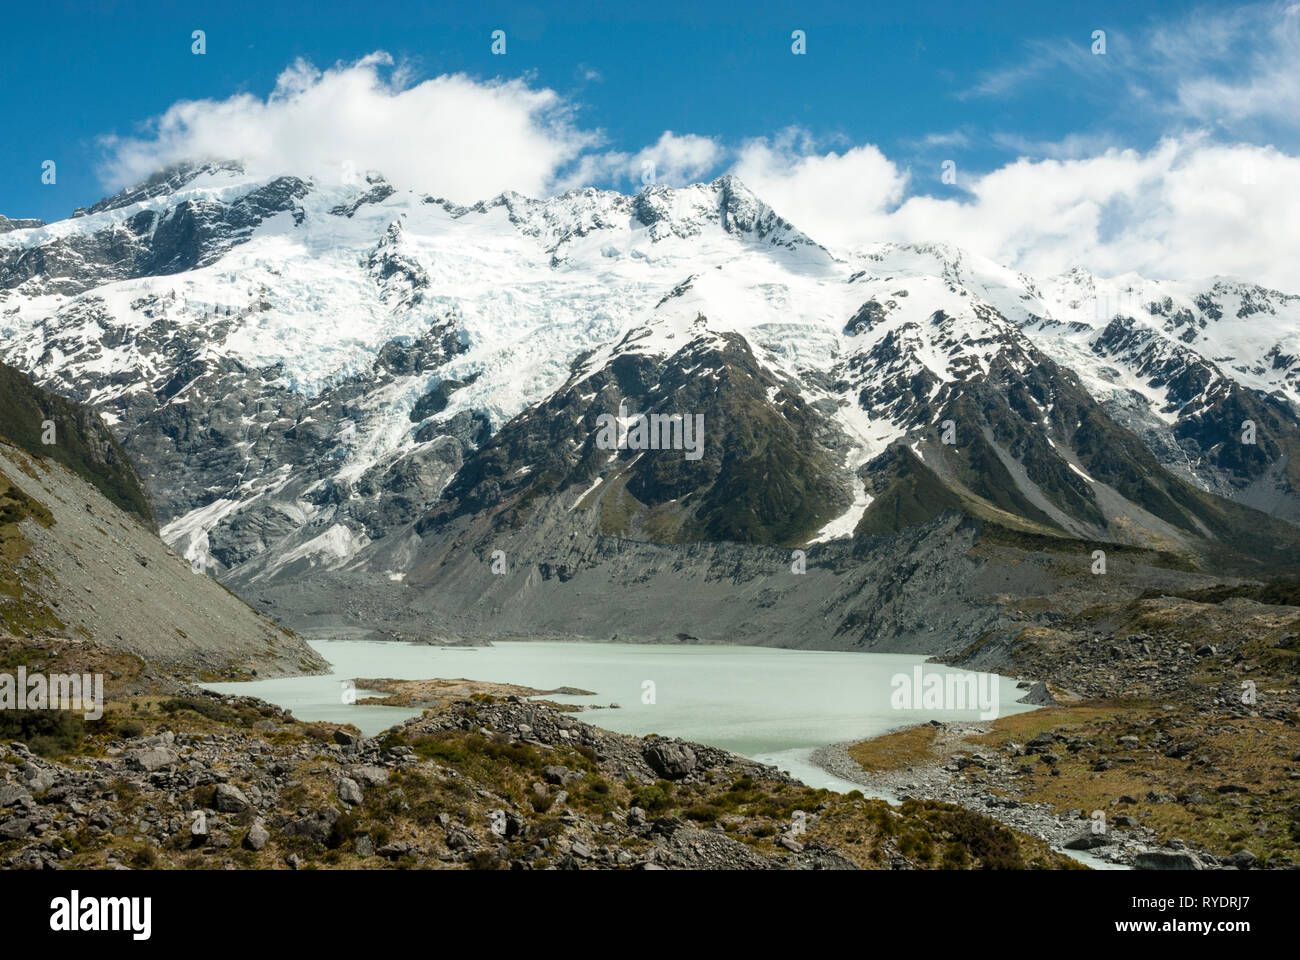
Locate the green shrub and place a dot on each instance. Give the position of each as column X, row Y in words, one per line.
column 48, row 733
column 987, row 841
column 655, row 798
column 205, row 708
column 441, row 749
column 701, row 813
column 144, row 858
column 344, row 829
column 486, row 860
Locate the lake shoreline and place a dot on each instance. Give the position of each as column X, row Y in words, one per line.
column 938, row 780
column 849, row 716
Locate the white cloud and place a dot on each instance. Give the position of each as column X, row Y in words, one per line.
column 836, row 197
column 452, row 136
column 1073, row 146
column 1236, row 65
column 1186, row 208
column 953, row 138
column 1039, row 57
column 674, row 160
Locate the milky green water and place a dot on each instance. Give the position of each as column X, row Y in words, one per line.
column 773, row 705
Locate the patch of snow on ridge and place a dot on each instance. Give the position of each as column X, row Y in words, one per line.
column 846, row 523
column 582, row 496
column 188, row 535
column 330, row 549
column 1079, row 472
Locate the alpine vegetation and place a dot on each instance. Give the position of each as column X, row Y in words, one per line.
column 654, row 431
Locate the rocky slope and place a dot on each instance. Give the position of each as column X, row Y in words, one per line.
column 1174, row 744
column 191, row 780
column 47, row 425
column 77, row 565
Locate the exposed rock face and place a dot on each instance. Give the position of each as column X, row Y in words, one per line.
column 755, row 475
column 151, row 242
column 80, row 565
column 6, row 224
column 47, row 425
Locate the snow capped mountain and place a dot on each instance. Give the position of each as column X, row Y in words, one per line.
column 314, row 377
column 6, row 224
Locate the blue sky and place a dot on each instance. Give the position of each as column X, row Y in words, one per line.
column 73, row 73
column 1174, row 152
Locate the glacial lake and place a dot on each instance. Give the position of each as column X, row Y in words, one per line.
column 773, row 705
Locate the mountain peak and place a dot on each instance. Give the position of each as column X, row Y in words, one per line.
column 166, row 181
column 7, row 225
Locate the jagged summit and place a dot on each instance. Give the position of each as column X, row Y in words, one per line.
column 665, row 211
column 7, row 225
column 167, row 181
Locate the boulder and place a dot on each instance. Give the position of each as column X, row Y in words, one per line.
column 369, row 774
column 1039, row 696
column 1242, row 860
column 558, row 775
column 14, row 828
column 152, row 759
column 1088, row 841
column 670, row 760
column 1041, row 743
column 1167, row 860
column 256, row 837
column 350, row 792
column 11, row 795
column 230, row 799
